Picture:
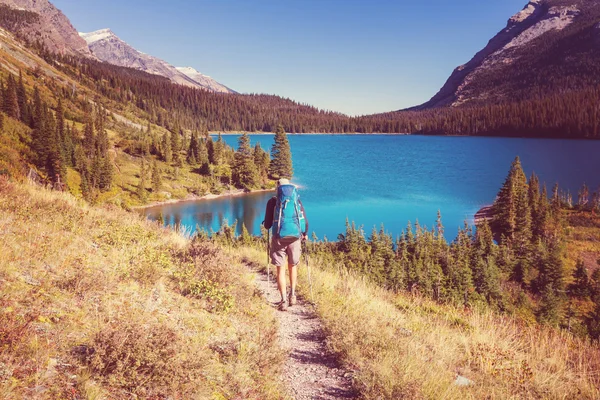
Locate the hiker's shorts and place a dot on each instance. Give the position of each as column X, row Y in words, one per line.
column 281, row 247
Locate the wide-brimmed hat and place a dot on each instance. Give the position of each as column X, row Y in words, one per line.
column 283, row 181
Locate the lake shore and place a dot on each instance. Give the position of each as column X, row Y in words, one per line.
column 308, row 134
column 210, row 196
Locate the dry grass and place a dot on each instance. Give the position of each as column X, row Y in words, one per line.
column 97, row 303
column 583, row 239
column 409, row 347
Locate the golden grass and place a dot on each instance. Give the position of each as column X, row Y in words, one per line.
column 95, row 303
column 408, row 347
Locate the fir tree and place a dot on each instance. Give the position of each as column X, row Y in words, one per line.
column 281, row 156
column 22, row 99
column 10, row 104
column 583, row 197
column 581, row 282
column 193, row 153
column 141, row 191
column 511, row 202
column 244, row 173
column 156, row 178
column 261, row 160
column 166, row 151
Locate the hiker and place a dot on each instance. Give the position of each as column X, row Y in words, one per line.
column 285, row 215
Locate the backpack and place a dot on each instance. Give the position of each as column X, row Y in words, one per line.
column 288, row 218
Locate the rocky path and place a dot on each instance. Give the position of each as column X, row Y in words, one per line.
column 310, row 372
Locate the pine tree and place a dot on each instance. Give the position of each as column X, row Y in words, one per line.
column 166, row 151
column 156, row 178
column 261, row 160
column 10, row 104
column 39, row 143
column 583, row 197
column 281, row 156
column 22, row 99
column 244, row 173
column 551, row 284
column 141, row 191
column 512, row 195
column 581, row 283
column 54, row 165
column 193, row 153
column 89, row 137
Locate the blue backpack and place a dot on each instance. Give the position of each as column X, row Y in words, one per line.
column 288, row 218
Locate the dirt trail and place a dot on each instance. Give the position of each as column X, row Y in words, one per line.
column 310, row 371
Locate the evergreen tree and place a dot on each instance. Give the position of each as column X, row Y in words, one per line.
column 486, row 275
column 581, row 282
column 551, row 284
column 54, row 160
column 193, row 153
column 89, row 137
column 244, row 173
column 281, row 156
column 166, row 151
column 141, row 191
column 511, row 197
column 10, row 104
column 156, row 178
column 583, row 197
column 39, row 143
column 261, row 160
column 22, row 99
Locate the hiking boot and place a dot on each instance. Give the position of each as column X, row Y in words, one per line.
column 282, row 306
column 292, row 299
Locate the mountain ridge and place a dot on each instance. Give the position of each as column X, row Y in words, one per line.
column 54, row 29
column 108, row 47
column 537, row 32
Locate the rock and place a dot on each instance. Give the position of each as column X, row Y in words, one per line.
column 30, row 280
column 462, row 381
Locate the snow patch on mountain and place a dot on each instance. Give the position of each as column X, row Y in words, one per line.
column 108, row 47
column 96, row 36
column 204, row 80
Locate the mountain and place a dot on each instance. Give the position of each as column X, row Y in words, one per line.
column 204, row 80
column 52, row 27
column 549, row 47
column 108, row 47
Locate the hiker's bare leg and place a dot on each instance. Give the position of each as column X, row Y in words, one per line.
column 293, row 271
column 281, row 286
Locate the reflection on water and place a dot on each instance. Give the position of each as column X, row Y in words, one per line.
column 209, row 215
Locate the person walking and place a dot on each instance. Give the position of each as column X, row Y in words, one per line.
column 286, row 218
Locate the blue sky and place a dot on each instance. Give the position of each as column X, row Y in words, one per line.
column 355, row 57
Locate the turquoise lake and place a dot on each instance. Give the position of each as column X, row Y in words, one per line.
column 375, row 179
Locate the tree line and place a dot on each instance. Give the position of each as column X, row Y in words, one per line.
column 514, row 263
column 569, row 113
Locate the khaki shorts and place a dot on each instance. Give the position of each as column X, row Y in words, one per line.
column 281, row 247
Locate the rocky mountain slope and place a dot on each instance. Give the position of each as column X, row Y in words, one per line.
column 204, row 80
column 549, row 46
column 53, row 28
column 108, row 47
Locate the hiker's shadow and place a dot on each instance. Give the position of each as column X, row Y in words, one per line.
column 309, row 357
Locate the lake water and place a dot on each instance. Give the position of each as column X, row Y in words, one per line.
column 375, row 179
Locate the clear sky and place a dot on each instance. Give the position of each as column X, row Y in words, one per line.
column 355, row 57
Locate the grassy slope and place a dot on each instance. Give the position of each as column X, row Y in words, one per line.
column 125, row 123
column 96, row 302
column 407, row 347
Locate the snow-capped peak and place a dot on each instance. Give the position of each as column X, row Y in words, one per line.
column 96, row 36
column 191, row 72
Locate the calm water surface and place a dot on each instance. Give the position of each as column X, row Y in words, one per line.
column 375, row 179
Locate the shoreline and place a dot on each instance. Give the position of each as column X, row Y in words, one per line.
column 210, row 196
column 215, row 133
